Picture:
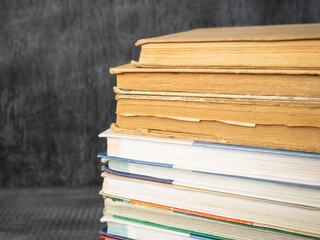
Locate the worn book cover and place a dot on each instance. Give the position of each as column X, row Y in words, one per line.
column 295, row 46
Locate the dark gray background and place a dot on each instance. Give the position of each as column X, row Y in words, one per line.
column 55, row 89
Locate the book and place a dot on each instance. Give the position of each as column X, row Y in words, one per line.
column 260, row 122
column 274, row 136
column 127, row 230
column 164, row 219
column 283, row 193
column 295, row 46
column 108, row 236
column 237, row 110
column 260, row 163
column 216, row 82
column 218, row 206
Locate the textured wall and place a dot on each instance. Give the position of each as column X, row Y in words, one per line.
column 55, row 89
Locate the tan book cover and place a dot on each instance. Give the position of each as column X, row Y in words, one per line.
column 306, row 139
column 260, row 82
column 242, row 112
column 295, row 46
column 259, row 121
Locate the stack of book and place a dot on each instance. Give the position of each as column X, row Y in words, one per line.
column 217, row 137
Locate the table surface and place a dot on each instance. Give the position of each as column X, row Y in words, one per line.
column 52, row 213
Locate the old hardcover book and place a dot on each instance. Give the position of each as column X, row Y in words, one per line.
column 278, row 123
column 275, row 46
column 234, row 110
column 259, row 82
column 305, row 139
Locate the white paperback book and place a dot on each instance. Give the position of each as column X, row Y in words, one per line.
column 300, row 168
column 285, row 217
column 265, row 190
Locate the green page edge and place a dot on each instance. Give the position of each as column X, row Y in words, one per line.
column 171, row 228
column 202, row 234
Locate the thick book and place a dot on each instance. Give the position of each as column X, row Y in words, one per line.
column 219, row 82
column 305, row 139
column 259, row 122
column 283, row 193
column 164, row 219
column 237, row 110
column 282, row 217
column 250, row 162
column 275, row 46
